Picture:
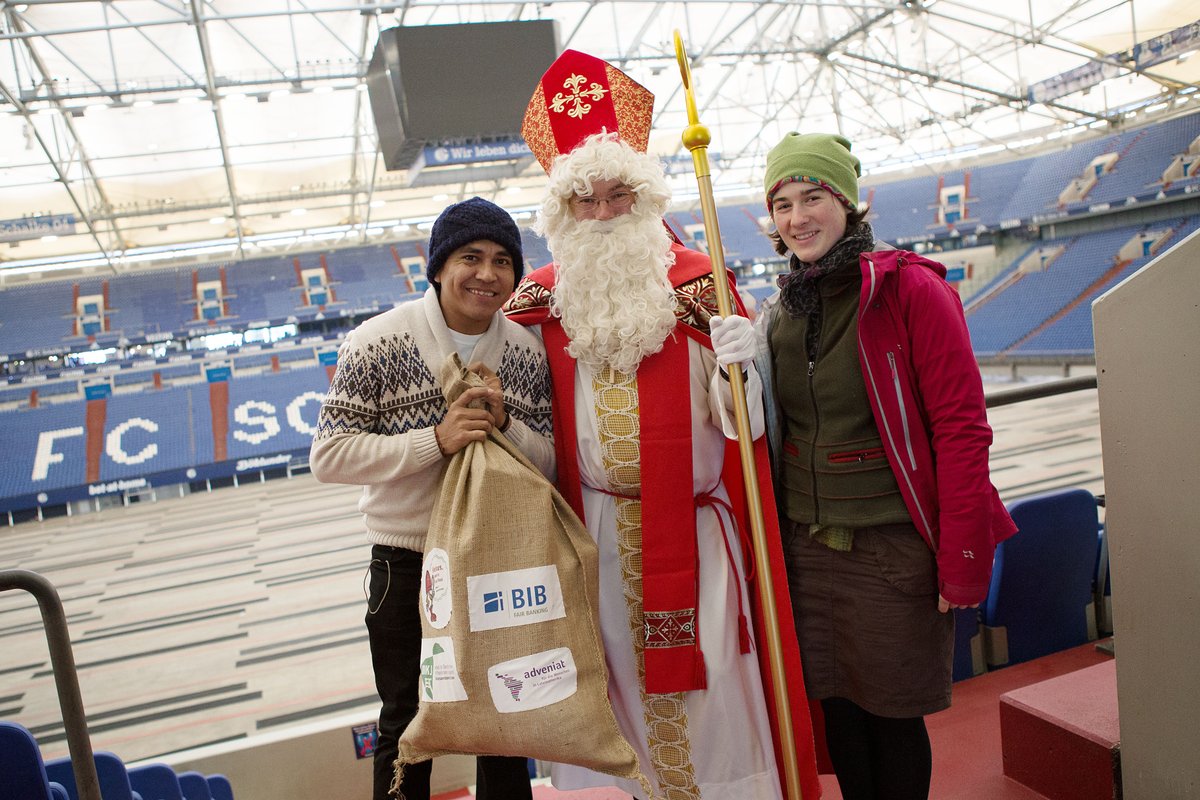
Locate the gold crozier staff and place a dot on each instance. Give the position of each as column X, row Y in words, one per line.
column 696, row 138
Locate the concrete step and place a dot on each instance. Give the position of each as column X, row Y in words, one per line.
column 1061, row 737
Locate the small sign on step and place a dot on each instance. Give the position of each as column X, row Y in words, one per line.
column 365, row 737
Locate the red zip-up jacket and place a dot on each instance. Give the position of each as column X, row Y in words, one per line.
column 927, row 399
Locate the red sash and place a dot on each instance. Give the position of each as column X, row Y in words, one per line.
column 670, row 557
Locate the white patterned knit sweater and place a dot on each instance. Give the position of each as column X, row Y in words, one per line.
column 376, row 423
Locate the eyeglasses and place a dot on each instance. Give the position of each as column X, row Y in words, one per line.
column 619, row 201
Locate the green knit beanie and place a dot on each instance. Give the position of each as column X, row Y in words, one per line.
column 823, row 159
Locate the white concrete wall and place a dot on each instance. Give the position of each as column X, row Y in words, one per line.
column 1148, row 369
column 311, row 762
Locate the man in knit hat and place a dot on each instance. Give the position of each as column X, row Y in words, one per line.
column 642, row 430
column 876, row 418
column 386, row 426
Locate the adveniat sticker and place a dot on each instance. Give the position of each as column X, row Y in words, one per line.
column 535, row 681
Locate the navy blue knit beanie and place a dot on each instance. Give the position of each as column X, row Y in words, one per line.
column 470, row 221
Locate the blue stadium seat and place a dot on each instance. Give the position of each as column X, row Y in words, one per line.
column 57, row 792
column 22, row 773
column 1040, row 600
column 968, row 644
column 219, row 787
column 194, row 785
column 155, row 782
column 110, row 770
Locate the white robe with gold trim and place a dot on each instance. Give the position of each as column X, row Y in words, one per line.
column 717, row 741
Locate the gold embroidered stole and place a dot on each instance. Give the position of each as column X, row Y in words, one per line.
column 665, row 715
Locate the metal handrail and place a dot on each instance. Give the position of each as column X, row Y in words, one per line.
column 1036, row 390
column 66, row 678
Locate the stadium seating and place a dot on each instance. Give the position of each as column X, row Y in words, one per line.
column 295, row 356
column 1072, row 333
column 155, row 782
column 39, row 316
column 194, row 786
column 1035, row 297
column 16, row 394
column 53, row 389
column 1037, row 193
column 901, row 209
column 182, row 373
column 991, row 187
column 150, row 302
column 1040, row 600
column 22, row 773
column 533, row 247
column 742, row 238
column 110, row 770
column 34, row 316
column 252, row 361
column 135, row 377
column 1145, row 153
column 24, row 776
column 219, row 787
column 268, row 415
column 370, row 276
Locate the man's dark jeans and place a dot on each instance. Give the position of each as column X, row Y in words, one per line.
column 394, row 630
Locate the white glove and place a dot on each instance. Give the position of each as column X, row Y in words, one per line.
column 732, row 339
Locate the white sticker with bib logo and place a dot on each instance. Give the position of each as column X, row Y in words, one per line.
column 535, row 681
column 439, row 672
column 516, row 597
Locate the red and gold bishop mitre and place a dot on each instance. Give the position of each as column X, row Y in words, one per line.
column 580, row 95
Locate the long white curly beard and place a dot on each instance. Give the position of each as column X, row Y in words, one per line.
column 611, row 288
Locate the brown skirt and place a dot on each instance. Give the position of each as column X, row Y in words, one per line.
column 868, row 623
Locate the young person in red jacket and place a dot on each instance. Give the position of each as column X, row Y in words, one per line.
column 876, row 417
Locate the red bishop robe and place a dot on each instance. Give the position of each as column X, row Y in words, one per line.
column 667, row 488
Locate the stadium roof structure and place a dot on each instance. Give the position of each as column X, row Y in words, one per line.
column 132, row 131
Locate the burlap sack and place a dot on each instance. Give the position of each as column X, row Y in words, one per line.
column 511, row 658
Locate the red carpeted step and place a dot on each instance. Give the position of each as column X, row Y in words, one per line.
column 1061, row 737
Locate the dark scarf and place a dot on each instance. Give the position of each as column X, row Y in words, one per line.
column 798, row 288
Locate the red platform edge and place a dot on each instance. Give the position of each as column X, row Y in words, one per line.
column 1061, row 737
